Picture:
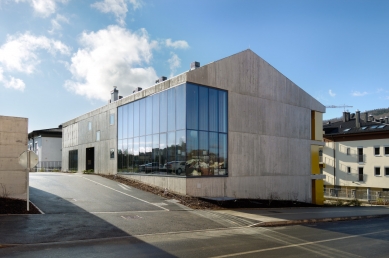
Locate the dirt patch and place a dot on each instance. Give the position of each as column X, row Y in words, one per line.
column 15, row 206
column 204, row 204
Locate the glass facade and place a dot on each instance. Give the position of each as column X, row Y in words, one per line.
column 182, row 131
column 73, row 160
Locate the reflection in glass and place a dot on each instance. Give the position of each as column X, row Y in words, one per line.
column 213, row 110
column 155, row 151
column 155, row 113
column 125, row 155
column 120, row 155
column 163, row 111
column 136, row 118
column 213, row 153
column 171, row 110
column 223, row 154
column 136, row 154
column 223, row 111
column 148, row 155
column 120, row 123
column 125, row 122
column 142, row 117
column 149, row 116
column 162, row 149
column 180, row 107
column 130, row 120
column 192, row 156
column 179, row 131
column 203, row 108
column 192, row 106
column 130, row 155
column 204, row 153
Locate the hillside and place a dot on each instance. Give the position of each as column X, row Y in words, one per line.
column 377, row 113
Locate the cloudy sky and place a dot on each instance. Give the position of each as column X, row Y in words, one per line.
column 60, row 58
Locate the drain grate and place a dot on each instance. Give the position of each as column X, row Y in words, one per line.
column 131, row 217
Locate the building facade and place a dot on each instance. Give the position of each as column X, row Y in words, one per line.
column 233, row 128
column 47, row 145
column 356, row 156
column 13, row 142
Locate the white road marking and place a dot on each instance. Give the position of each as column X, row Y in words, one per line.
column 298, row 245
column 125, row 188
column 126, row 194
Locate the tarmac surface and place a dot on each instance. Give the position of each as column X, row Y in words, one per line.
column 83, row 213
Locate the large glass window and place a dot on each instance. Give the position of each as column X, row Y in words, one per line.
column 73, row 160
column 192, row 106
column 182, row 131
column 171, row 110
column 149, row 116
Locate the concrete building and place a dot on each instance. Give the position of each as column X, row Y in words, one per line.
column 47, row 144
column 13, row 142
column 356, row 156
column 233, row 128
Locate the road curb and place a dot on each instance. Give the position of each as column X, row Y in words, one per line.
column 311, row 221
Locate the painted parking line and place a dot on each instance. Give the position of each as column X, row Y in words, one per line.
column 126, row 194
column 124, row 187
column 298, row 245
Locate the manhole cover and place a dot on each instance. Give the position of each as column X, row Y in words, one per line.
column 131, row 217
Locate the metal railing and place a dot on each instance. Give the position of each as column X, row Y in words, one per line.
column 364, row 195
column 48, row 166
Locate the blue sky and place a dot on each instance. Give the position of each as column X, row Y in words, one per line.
column 60, row 58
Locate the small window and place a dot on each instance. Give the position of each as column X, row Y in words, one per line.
column 376, row 151
column 381, row 126
column 349, row 170
column 377, row 171
column 89, row 125
column 111, row 119
column 98, row 136
column 387, row 171
column 364, row 128
column 348, row 151
column 373, row 127
column 346, row 130
column 386, row 150
column 112, row 154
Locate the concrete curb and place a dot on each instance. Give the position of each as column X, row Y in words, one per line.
column 311, row 221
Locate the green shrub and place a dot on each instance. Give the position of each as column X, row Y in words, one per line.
column 354, row 202
column 381, row 201
column 89, row 171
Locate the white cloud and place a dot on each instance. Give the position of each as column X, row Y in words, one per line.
column 174, row 63
column 358, row 93
column 43, row 8
column 108, row 57
column 332, row 94
column 20, row 52
column 117, row 7
column 177, row 44
column 56, row 23
column 12, row 82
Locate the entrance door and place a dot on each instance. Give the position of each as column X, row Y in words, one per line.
column 90, row 158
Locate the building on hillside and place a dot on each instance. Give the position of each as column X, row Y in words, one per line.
column 13, row 142
column 356, row 157
column 235, row 128
column 47, row 144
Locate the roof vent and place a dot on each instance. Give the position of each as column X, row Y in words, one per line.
column 382, row 120
column 137, row 89
column 114, row 94
column 194, row 65
column 371, row 118
column 358, row 119
column 161, row 79
column 386, row 120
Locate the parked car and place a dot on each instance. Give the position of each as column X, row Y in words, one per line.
column 177, row 166
column 149, row 167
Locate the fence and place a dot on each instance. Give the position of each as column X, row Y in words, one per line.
column 47, row 166
column 364, row 195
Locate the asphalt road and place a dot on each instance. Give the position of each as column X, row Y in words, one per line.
column 90, row 216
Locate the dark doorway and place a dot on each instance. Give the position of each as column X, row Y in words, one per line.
column 90, row 158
